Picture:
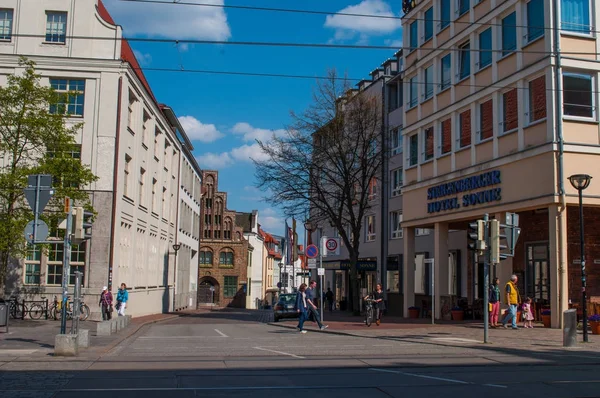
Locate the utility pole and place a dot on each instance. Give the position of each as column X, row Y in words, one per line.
column 486, row 278
column 66, row 265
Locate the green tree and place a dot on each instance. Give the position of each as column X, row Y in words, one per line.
column 326, row 163
column 35, row 138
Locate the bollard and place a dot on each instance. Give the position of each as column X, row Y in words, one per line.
column 570, row 328
column 103, row 328
column 83, row 338
column 65, row 345
column 113, row 326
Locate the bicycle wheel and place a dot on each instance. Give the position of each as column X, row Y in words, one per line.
column 84, row 312
column 16, row 310
column 36, row 311
column 369, row 318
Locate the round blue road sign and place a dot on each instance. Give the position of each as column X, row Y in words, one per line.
column 311, row 251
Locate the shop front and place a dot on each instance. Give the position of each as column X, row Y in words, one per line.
column 337, row 277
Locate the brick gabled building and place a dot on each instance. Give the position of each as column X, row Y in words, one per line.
column 222, row 272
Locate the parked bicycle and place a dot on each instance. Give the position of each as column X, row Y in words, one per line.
column 56, row 309
column 18, row 309
column 369, row 311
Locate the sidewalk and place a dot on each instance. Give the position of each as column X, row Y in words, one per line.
column 35, row 339
column 467, row 333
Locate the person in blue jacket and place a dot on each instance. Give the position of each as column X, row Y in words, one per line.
column 122, row 297
column 302, row 307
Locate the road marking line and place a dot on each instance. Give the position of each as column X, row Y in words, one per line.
column 221, row 333
column 279, row 352
column 433, row 377
column 382, row 345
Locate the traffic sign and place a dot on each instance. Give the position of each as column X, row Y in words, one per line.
column 321, row 271
column 331, row 246
column 312, row 263
column 43, row 191
column 312, row 251
column 41, row 231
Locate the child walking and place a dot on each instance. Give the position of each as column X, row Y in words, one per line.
column 527, row 315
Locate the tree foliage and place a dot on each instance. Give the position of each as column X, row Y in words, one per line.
column 35, row 141
column 326, row 162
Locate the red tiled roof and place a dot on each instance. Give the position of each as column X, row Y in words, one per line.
column 127, row 54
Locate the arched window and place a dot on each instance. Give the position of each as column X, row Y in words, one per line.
column 227, row 227
column 226, row 258
column 206, row 257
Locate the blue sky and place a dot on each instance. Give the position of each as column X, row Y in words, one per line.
column 224, row 114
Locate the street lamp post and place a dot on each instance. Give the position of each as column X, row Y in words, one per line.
column 581, row 182
column 176, row 248
column 308, row 227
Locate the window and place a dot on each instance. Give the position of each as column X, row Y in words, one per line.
column 77, row 262
column 414, row 35
column 428, row 144
column 537, row 99
column 509, row 34
column 446, row 136
column 56, row 27
column 575, row 16
column 422, row 231
column 226, row 257
column 510, row 110
column 141, row 182
column 413, row 157
column 126, row 177
column 370, row 228
column 6, row 20
column 485, row 47
column 446, row 72
column 463, row 6
column 535, row 19
column 145, row 129
column 486, row 122
column 230, row 286
column 33, row 265
column 164, row 203
column 464, row 126
column 578, row 93
column 153, row 204
column 444, row 13
column 397, row 182
column 429, row 23
column 396, row 139
column 414, row 92
column 428, row 82
column 396, row 224
column 206, row 258
column 55, row 265
column 464, row 65
column 71, row 97
column 372, row 189
column 156, row 144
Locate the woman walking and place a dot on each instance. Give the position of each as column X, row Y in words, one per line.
column 494, row 296
column 301, row 307
column 106, row 299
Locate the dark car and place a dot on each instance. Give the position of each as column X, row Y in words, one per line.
column 285, row 307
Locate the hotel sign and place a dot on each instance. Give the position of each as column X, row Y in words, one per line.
column 447, row 196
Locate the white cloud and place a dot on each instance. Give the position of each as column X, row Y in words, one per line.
column 347, row 27
column 144, row 59
column 171, row 20
column 244, row 153
column 197, row 131
column 251, row 133
column 271, row 221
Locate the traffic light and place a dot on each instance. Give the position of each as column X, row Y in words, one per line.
column 475, row 236
column 82, row 224
column 497, row 240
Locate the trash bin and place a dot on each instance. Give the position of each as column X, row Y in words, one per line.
column 4, row 315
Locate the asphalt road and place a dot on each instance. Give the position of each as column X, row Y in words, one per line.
column 236, row 355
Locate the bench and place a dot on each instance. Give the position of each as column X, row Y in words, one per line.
column 113, row 326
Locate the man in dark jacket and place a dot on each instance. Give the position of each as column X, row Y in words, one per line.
column 312, row 307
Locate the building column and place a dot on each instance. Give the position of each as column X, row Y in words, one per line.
column 559, row 284
column 408, row 279
column 440, row 255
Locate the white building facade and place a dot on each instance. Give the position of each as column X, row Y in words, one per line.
column 126, row 140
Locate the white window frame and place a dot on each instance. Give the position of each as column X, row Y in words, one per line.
column 594, row 96
column 370, row 229
column 50, row 25
column 445, row 85
column 440, row 139
column 460, row 51
column 397, row 181
column 428, row 84
column 592, row 24
column 479, row 120
column 424, row 141
column 458, row 130
column 6, row 27
column 408, row 153
column 396, row 134
column 528, row 106
column 396, row 225
column 526, row 40
column 410, row 104
column 502, row 112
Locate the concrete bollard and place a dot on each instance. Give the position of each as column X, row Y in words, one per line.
column 570, row 328
column 83, row 338
column 127, row 320
column 65, row 345
column 113, row 326
column 103, row 328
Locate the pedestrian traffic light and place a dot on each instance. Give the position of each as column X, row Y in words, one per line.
column 82, row 224
column 475, row 236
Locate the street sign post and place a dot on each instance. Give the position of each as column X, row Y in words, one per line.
column 38, row 193
column 312, row 251
column 431, row 261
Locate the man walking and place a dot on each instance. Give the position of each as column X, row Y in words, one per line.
column 513, row 298
column 312, row 308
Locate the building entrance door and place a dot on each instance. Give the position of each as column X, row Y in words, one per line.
column 208, row 291
column 537, row 273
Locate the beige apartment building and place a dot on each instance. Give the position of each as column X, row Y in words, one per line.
column 495, row 121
